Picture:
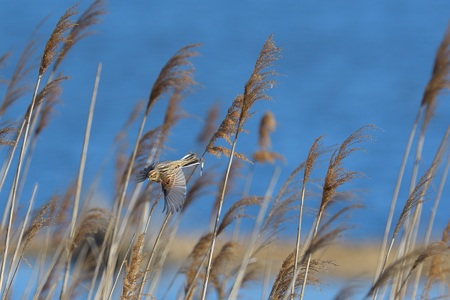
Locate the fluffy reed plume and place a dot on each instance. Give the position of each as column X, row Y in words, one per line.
column 279, row 215
column 87, row 19
column 7, row 131
column 281, row 285
column 92, row 228
column 3, row 59
column 336, row 174
column 235, row 211
column 440, row 79
column 57, row 38
column 210, row 125
column 16, row 86
column 44, row 218
column 255, row 89
column 416, row 197
column 439, row 270
column 266, row 126
column 199, row 252
column 134, row 274
column 176, row 75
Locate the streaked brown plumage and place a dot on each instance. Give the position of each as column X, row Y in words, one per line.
column 171, row 178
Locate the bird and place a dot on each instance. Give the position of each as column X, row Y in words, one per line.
column 171, row 177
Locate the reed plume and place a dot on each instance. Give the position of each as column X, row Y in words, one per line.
column 440, row 78
column 266, row 127
column 7, row 131
column 79, row 30
column 57, row 38
column 134, row 273
column 281, row 285
column 16, row 86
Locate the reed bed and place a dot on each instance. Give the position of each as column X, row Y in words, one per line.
column 123, row 252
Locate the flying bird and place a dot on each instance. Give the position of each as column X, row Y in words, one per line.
column 171, row 177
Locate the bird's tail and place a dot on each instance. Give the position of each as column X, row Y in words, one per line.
column 190, row 160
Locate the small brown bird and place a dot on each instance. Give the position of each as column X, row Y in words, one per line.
column 172, row 180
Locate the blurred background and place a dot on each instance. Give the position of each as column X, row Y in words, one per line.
column 343, row 66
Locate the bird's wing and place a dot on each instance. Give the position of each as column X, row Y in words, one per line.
column 175, row 194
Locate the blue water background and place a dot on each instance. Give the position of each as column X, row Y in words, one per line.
column 344, row 65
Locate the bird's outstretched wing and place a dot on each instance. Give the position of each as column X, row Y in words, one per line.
column 175, row 193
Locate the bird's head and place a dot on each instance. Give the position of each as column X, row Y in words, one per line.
column 153, row 175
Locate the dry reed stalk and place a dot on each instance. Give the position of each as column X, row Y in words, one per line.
column 415, row 220
column 440, row 80
column 233, row 176
column 414, row 199
column 313, row 154
column 153, row 252
column 49, row 96
column 11, row 275
column 80, row 178
column 222, row 267
column 254, row 90
column 256, row 233
column 57, row 37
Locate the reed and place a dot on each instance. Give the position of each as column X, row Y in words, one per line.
column 76, row 249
